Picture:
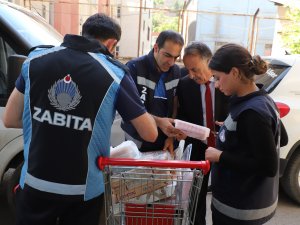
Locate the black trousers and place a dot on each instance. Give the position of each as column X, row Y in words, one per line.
column 32, row 209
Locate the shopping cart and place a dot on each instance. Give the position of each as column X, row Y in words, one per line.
column 147, row 192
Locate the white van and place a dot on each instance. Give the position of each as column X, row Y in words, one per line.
column 20, row 31
column 282, row 82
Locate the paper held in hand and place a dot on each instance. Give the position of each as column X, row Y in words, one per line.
column 192, row 130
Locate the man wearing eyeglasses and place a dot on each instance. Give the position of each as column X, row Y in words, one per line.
column 200, row 103
column 156, row 76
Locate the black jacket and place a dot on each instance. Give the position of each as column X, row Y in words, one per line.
column 190, row 110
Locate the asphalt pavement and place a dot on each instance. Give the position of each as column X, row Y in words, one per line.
column 287, row 212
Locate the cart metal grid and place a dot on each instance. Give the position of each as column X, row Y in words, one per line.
column 151, row 192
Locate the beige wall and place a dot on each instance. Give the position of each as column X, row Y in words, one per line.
column 129, row 21
column 86, row 9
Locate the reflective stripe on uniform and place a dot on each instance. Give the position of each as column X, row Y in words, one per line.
column 150, row 84
column 107, row 68
column 145, row 82
column 243, row 214
column 171, row 84
column 230, row 124
column 52, row 187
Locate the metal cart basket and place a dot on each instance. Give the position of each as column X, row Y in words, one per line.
column 151, row 192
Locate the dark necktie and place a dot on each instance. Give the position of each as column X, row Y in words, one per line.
column 209, row 116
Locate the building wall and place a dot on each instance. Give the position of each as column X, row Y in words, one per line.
column 188, row 22
column 218, row 29
column 86, row 9
column 146, row 29
column 135, row 41
column 90, row 7
column 103, row 6
column 279, row 47
column 66, row 16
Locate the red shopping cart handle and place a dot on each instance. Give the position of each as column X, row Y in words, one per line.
column 203, row 165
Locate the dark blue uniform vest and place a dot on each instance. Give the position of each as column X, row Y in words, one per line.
column 146, row 75
column 69, row 106
column 241, row 196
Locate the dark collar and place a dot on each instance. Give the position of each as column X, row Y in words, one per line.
column 84, row 44
column 235, row 100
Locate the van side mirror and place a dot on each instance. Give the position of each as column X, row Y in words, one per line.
column 14, row 66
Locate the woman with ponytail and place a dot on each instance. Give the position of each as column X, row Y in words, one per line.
column 245, row 170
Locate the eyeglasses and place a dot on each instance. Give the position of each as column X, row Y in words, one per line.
column 167, row 54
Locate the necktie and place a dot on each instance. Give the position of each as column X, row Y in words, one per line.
column 209, row 116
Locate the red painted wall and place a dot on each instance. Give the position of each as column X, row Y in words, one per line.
column 66, row 16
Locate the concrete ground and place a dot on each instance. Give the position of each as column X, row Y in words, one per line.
column 287, row 212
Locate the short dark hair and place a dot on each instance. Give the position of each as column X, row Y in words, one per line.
column 198, row 48
column 169, row 35
column 102, row 27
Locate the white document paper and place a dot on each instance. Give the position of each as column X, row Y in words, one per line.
column 192, row 130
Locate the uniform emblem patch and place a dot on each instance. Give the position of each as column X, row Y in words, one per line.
column 64, row 94
column 222, row 135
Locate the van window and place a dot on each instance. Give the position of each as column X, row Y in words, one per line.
column 273, row 76
column 5, row 52
column 32, row 28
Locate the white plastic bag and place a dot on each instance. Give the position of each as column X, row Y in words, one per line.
column 178, row 152
column 186, row 156
column 156, row 155
column 126, row 149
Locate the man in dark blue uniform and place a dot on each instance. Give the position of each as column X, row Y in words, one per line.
column 65, row 99
column 156, row 76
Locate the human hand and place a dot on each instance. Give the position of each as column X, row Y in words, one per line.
column 219, row 123
column 180, row 135
column 166, row 125
column 169, row 146
column 212, row 154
